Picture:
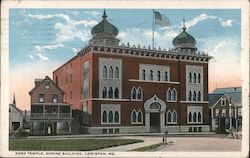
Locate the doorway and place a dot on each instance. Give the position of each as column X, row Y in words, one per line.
column 155, row 122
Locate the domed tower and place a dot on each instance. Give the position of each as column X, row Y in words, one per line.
column 104, row 33
column 184, row 40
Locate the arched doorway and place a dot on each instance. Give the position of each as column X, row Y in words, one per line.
column 154, row 114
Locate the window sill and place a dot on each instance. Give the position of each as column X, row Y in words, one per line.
column 150, row 81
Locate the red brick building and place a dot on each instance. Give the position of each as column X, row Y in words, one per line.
column 49, row 114
column 127, row 89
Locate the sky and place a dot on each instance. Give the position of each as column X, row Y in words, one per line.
column 41, row 40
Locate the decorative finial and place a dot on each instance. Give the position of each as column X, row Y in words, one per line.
column 104, row 16
column 183, row 27
column 14, row 100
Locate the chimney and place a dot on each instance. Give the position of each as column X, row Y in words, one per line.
column 38, row 81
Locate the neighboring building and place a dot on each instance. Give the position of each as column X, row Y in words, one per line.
column 225, row 109
column 127, row 89
column 49, row 114
column 15, row 117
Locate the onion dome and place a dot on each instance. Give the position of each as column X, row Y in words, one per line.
column 104, row 27
column 184, row 39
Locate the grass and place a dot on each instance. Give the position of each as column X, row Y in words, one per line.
column 149, row 147
column 66, row 144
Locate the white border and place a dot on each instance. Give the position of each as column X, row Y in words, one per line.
column 185, row 4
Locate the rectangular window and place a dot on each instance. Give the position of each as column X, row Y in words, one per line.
column 54, row 98
column 117, row 130
column 46, row 84
column 111, row 130
column 104, row 131
column 239, row 112
column 217, row 112
column 223, row 112
column 41, row 98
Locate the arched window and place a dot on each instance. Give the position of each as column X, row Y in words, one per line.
column 174, row 116
column 189, row 95
column 143, row 75
column 194, row 96
column 169, row 95
column 110, row 72
column 104, row 117
column 194, row 117
column 199, row 96
column 104, row 92
column 169, row 117
column 139, row 94
column 151, row 77
column 194, row 77
column 139, row 116
column 199, row 117
column 116, row 72
column 165, row 76
column 116, row 93
column 133, row 93
column 133, row 116
column 199, row 78
column 158, row 75
column 104, row 72
column 116, row 117
column 110, row 117
column 174, row 95
column 190, row 117
column 110, row 92
column 190, row 77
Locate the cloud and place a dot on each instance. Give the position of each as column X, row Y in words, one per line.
column 43, row 48
column 38, row 57
column 93, row 13
column 48, row 16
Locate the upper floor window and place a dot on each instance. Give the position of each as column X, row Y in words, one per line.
column 116, row 117
column 190, row 77
column 223, row 112
column 104, row 72
column 104, row 117
column 190, row 117
column 136, row 93
column 199, row 78
column 54, row 98
column 217, row 112
column 194, row 117
column 173, row 95
column 46, row 84
column 194, row 77
column 143, row 74
column 110, row 92
column 110, row 117
column 199, row 96
column 169, row 95
column 139, row 93
column 151, row 76
column 158, row 76
column 165, row 76
column 189, row 96
column 110, row 72
column 199, row 117
column 116, row 72
column 41, row 97
column 133, row 93
column 194, row 96
column 104, row 92
column 223, row 101
column 116, row 93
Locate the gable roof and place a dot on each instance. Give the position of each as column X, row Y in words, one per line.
column 227, row 90
column 232, row 92
column 213, row 98
column 18, row 110
column 51, row 81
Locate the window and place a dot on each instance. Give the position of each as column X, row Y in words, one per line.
column 116, row 72
column 165, row 76
column 139, row 94
column 169, row 95
column 139, row 116
column 199, row 96
column 110, row 117
column 199, row 117
column 151, row 77
column 134, row 116
column 46, row 84
column 104, row 92
column 104, row 131
column 223, row 101
column 104, row 72
column 117, row 130
column 110, row 92
column 174, row 95
column 190, row 117
column 190, row 77
column 41, row 98
column 231, row 113
column 71, row 78
column 217, row 112
column 116, row 117
column 174, row 116
column 169, row 116
column 111, row 130
column 143, row 75
column 116, row 93
column 223, row 112
column 194, row 77
column 194, row 117
column 239, row 112
column 54, row 98
column 194, row 96
column 158, row 75
column 104, row 117
column 199, row 78
column 133, row 94
column 190, row 96
column 110, row 72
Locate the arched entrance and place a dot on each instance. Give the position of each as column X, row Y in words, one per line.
column 154, row 114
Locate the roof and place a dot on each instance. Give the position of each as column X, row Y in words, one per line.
column 16, row 108
column 51, row 81
column 231, row 92
column 184, row 39
column 213, row 98
column 104, row 27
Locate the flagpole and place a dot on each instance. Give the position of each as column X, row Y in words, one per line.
column 153, row 30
